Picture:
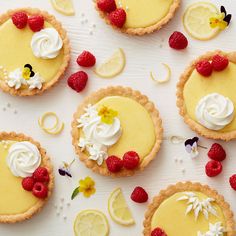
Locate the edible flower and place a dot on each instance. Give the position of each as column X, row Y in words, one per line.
column 86, row 186
column 107, row 115
column 221, row 20
column 27, row 72
column 65, row 169
column 191, row 146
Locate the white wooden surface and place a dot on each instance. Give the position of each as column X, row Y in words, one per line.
column 143, row 54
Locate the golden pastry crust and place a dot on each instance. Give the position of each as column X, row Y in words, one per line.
column 145, row 30
column 125, row 92
column 66, row 50
column 181, row 104
column 189, row 186
column 45, row 162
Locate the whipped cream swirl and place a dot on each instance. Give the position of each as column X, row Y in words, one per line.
column 23, row 159
column 15, row 79
column 35, row 82
column 46, row 43
column 98, row 136
column 215, row 111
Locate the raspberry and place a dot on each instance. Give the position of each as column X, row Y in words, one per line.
column 106, row 5
column 40, row 190
column 118, row 17
column 36, row 23
column 28, row 183
column 114, row 164
column 178, row 41
column 158, row 232
column 78, row 81
column 213, row 168
column 139, row 195
column 232, row 181
column 41, row 175
column 86, row 59
column 217, row 152
column 131, row 160
column 20, row 19
column 219, row 63
column 204, row 68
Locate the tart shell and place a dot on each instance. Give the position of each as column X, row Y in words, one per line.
column 125, row 92
column 195, row 126
column 189, row 186
column 46, row 163
column 66, row 50
column 145, row 30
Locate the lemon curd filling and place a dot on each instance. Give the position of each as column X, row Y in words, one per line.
column 15, row 52
column 171, row 217
column 197, row 87
column 144, row 13
column 138, row 132
column 14, row 199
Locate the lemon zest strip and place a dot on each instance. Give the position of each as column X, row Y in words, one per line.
column 167, row 78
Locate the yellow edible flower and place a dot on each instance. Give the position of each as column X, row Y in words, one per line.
column 218, row 21
column 107, row 115
column 26, row 73
column 87, row 186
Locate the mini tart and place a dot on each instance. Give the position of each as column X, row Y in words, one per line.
column 139, row 99
column 64, row 55
column 149, row 28
column 13, row 218
column 224, row 87
column 164, row 195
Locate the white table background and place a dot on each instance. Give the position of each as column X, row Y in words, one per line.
column 143, row 54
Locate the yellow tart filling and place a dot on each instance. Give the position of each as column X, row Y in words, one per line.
column 16, row 52
column 197, row 87
column 144, row 13
column 14, row 199
column 171, row 216
column 138, row 133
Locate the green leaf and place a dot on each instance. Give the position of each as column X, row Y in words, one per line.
column 75, row 193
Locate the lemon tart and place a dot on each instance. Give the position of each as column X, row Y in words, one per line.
column 35, row 51
column 143, row 16
column 207, row 102
column 189, row 209
column 25, row 191
column 112, row 122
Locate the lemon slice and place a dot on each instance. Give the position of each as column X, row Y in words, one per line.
column 91, row 223
column 64, row 6
column 118, row 208
column 196, row 20
column 113, row 66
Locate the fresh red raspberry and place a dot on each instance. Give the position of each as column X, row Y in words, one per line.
column 41, row 175
column 118, row 17
column 139, row 195
column 86, row 59
column 114, row 164
column 131, row 160
column 158, row 232
column 106, row 5
column 204, row 68
column 213, row 168
column 20, row 19
column 28, row 183
column 232, row 181
column 78, row 81
column 219, row 63
column 217, row 152
column 36, row 23
column 40, row 190
column 178, row 41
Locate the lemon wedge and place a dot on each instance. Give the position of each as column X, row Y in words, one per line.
column 92, row 223
column 196, row 20
column 64, row 6
column 112, row 66
column 118, row 208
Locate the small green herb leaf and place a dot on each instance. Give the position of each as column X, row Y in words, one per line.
column 75, row 193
